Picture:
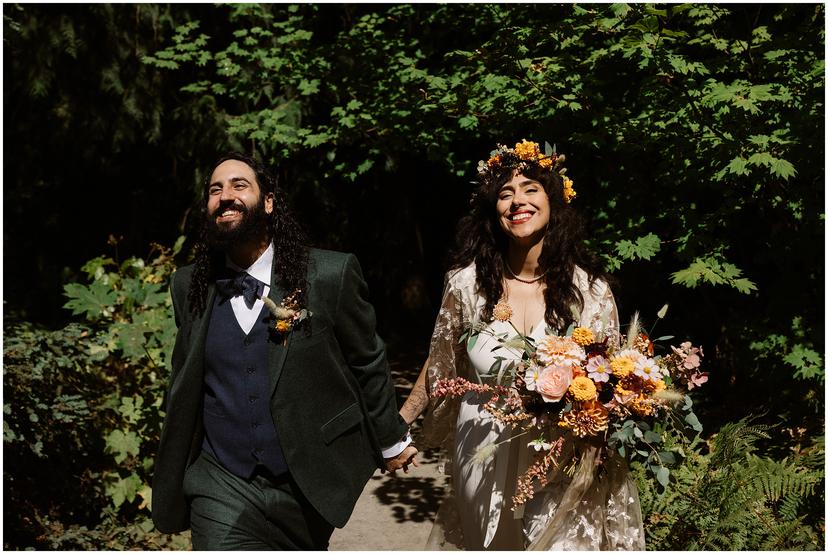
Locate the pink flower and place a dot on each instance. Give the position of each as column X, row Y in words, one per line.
column 696, row 380
column 692, row 361
column 598, row 369
column 554, row 382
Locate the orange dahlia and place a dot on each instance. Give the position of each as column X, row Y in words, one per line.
column 590, row 419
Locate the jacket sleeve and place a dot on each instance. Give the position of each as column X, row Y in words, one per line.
column 364, row 352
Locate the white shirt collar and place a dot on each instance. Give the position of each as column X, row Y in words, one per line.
column 260, row 269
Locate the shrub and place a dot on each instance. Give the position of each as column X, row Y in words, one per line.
column 82, row 411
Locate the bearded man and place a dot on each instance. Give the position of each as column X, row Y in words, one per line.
column 280, row 405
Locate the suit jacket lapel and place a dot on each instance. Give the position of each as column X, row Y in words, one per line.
column 198, row 335
column 277, row 349
column 202, row 322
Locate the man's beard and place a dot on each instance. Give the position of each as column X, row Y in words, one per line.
column 253, row 224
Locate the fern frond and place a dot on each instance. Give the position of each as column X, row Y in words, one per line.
column 735, row 441
column 791, row 535
column 790, row 506
column 778, row 479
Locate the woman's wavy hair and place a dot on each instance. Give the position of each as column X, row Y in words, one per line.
column 481, row 240
column 290, row 252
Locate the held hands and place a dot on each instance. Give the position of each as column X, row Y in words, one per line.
column 402, row 461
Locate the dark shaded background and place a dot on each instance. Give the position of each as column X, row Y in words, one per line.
column 104, row 155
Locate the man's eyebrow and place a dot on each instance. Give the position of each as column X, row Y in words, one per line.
column 232, row 180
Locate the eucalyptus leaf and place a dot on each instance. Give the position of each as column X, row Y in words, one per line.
column 663, row 476
column 693, row 422
column 652, row 437
column 667, row 458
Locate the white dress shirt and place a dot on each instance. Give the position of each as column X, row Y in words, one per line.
column 246, row 317
column 261, row 271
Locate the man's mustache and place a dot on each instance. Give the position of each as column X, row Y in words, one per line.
column 223, row 205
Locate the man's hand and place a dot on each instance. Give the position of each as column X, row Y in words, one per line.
column 402, row 460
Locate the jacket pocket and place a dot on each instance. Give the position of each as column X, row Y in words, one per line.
column 343, row 421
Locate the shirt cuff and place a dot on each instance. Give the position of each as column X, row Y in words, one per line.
column 394, row 451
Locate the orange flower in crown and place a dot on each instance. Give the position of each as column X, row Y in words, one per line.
column 524, row 154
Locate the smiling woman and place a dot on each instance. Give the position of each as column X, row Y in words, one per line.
column 520, row 266
column 523, row 209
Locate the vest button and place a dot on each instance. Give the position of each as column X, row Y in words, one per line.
column 251, row 370
column 255, row 425
column 252, row 398
column 247, row 341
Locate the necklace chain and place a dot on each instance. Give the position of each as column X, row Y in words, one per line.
column 527, row 281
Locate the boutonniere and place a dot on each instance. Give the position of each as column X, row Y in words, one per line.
column 288, row 314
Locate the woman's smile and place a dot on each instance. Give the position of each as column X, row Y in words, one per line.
column 519, row 217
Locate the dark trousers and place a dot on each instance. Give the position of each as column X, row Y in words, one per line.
column 263, row 513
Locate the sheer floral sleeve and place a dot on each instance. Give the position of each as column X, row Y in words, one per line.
column 599, row 312
column 447, row 357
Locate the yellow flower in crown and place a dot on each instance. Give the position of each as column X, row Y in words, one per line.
column 494, row 160
column 527, row 150
column 568, row 191
column 545, row 163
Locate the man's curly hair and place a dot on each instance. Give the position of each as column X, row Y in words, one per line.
column 290, row 252
column 481, row 240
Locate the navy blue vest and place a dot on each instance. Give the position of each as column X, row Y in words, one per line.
column 238, row 427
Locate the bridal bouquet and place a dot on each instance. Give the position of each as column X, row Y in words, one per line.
column 622, row 396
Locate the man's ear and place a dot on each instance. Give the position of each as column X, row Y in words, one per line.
column 268, row 203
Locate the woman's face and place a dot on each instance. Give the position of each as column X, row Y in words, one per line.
column 523, row 209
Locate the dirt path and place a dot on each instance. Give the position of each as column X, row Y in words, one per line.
column 395, row 513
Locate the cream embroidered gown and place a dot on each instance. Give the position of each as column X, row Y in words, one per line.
column 581, row 512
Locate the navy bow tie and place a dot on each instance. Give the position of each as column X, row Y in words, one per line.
column 243, row 284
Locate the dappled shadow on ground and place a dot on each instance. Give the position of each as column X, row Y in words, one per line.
column 411, row 498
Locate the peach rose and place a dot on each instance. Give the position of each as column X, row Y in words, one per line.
column 554, row 382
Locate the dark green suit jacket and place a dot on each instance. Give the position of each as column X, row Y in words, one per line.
column 331, row 397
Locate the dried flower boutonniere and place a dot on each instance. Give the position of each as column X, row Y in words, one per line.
column 287, row 314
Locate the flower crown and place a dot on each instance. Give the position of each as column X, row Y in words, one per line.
column 523, row 154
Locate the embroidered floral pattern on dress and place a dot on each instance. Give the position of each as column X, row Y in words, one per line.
column 570, row 513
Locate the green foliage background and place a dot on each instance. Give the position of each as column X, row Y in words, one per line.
column 694, row 135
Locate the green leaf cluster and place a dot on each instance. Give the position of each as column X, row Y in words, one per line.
column 87, row 399
column 736, row 497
